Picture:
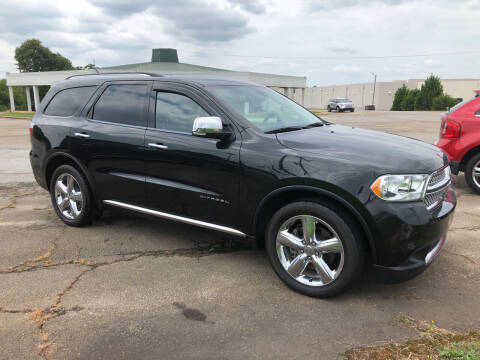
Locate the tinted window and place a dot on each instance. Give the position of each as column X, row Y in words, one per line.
column 478, row 112
column 122, row 104
column 176, row 112
column 68, row 101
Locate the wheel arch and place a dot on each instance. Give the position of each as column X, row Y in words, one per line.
column 62, row 158
column 468, row 155
column 287, row 194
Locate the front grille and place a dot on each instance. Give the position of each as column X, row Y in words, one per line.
column 437, row 187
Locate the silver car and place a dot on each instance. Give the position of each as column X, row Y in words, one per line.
column 340, row 105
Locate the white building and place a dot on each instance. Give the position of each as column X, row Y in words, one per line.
column 164, row 61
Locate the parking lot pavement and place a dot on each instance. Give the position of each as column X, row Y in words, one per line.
column 132, row 287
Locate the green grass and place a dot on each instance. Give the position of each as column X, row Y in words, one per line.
column 27, row 115
column 465, row 351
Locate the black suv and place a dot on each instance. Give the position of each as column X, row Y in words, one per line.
column 243, row 159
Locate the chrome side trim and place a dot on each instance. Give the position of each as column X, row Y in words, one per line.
column 175, row 217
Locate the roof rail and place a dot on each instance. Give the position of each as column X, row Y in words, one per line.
column 115, row 73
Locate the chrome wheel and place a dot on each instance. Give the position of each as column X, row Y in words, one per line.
column 476, row 173
column 68, row 196
column 310, row 250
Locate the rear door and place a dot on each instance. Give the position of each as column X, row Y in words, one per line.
column 187, row 175
column 110, row 140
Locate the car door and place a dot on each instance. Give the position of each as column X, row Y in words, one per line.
column 110, row 139
column 187, row 175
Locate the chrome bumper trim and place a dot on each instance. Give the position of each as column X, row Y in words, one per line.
column 434, row 252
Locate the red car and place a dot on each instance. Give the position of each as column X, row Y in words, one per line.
column 460, row 139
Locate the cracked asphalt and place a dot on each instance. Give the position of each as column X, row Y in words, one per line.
column 134, row 287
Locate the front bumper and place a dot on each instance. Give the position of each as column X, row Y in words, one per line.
column 416, row 238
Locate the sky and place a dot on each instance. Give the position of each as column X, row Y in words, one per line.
column 328, row 41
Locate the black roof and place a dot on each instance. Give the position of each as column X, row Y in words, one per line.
column 96, row 79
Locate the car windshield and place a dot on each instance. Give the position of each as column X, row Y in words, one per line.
column 343, row 100
column 265, row 108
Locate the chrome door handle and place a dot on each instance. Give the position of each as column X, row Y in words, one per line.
column 83, row 135
column 158, row 146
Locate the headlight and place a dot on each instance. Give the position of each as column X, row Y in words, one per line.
column 400, row 187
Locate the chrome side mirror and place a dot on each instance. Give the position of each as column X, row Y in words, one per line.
column 209, row 127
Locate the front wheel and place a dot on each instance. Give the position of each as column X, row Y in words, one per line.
column 329, row 109
column 313, row 248
column 472, row 173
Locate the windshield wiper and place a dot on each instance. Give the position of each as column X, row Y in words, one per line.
column 315, row 124
column 284, row 129
column 294, row 128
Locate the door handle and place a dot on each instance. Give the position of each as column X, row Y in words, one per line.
column 83, row 135
column 158, row 146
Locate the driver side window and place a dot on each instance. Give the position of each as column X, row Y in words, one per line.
column 176, row 112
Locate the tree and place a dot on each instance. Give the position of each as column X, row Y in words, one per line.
column 431, row 88
column 18, row 93
column 408, row 103
column 443, row 102
column 400, row 94
column 31, row 55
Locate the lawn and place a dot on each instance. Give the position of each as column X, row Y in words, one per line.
column 17, row 114
column 434, row 343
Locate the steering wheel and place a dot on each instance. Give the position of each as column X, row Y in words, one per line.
column 270, row 115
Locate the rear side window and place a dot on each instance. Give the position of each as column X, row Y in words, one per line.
column 122, row 104
column 176, row 112
column 67, row 102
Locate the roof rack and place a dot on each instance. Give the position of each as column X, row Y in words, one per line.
column 115, row 73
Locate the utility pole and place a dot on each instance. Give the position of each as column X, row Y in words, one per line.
column 374, row 84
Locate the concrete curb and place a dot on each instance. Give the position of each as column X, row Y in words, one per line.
column 15, row 118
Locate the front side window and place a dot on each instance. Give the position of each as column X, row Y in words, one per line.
column 265, row 108
column 122, row 104
column 175, row 112
column 66, row 102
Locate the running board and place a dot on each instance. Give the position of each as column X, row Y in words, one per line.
column 175, row 217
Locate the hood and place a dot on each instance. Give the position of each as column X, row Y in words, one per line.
column 385, row 153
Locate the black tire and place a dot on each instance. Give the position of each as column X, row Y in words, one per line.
column 339, row 110
column 329, row 109
column 87, row 209
column 348, row 232
column 474, row 160
column 352, row 110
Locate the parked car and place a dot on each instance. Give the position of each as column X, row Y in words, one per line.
column 340, row 105
column 460, row 139
column 244, row 160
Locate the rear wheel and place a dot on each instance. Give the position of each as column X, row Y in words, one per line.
column 71, row 197
column 313, row 248
column 472, row 173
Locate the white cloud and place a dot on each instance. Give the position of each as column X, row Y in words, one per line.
column 294, row 37
column 432, row 62
column 346, row 69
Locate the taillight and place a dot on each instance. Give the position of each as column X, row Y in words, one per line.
column 450, row 129
column 30, row 129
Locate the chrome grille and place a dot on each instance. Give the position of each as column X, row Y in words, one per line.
column 439, row 176
column 437, row 187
